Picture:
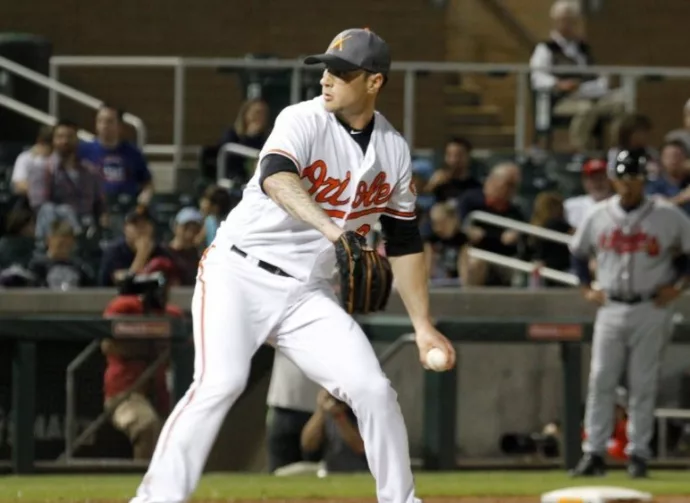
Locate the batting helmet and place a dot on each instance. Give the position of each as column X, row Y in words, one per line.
column 630, row 163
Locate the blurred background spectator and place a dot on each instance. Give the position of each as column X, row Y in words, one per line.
column 674, row 175
column 682, row 134
column 443, row 242
column 17, row 244
column 122, row 165
column 215, row 205
column 250, row 129
column 496, row 197
column 548, row 213
column 29, row 173
column 454, row 177
column 332, row 430
column 58, row 268
column 634, row 133
column 597, row 187
column 584, row 99
column 183, row 249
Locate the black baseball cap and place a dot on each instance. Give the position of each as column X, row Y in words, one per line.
column 630, row 163
column 355, row 49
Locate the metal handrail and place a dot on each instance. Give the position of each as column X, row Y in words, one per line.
column 232, row 148
column 629, row 76
column 515, row 225
column 37, row 115
column 523, row 266
column 70, row 92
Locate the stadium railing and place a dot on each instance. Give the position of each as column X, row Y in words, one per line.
column 56, row 87
column 629, row 77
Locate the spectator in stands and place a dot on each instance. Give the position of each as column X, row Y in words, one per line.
column 682, row 134
column 597, row 187
column 122, row 165
column 634, row 133
column 584, row 97
column 250, row 129
column 73, row 186
column 291, row 401
column 673, row 182
column 333, row 431
column 182, row 249
column 135, row 413
column 215, row 205
column 495, row 197
column 454, row 177
column 29, row 173
column 17, row 244
column 443, row 240
column 548, row 213
column 133, row 251
column 59, row 269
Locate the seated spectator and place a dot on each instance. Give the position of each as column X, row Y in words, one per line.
column 682, row 134
column 29, row 173
column 59, row 269
column 634, row 133
column 122, row 165
column 443, row 241
column 454, row 177
column 674, row 179
column 182, row 249
column 584, row 97
column 215, row 205
column 73, row 186
column 548, row 213
column 138, row 415
column 597, row 187
column 332, row 430
column 251, row 129
column 495, row 197
column 130, row 253
column 18, row 243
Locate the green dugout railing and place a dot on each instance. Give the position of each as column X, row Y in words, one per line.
column 441, row 398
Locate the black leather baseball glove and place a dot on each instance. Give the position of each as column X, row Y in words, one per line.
column 365, row 276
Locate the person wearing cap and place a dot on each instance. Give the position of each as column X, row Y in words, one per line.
column 131, row 252
column 137, row 411
column 597, row 187
column 182, row 248
column 682, row 134
column 673, row 182
column 332, row 168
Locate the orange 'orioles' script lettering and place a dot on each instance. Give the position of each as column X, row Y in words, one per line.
column 329, row 190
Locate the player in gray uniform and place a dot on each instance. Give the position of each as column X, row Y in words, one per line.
column 636, row 241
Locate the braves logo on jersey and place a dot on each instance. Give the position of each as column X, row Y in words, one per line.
column 331, row 191
column 619, row 242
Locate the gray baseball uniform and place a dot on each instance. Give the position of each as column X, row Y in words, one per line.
column 635, row 252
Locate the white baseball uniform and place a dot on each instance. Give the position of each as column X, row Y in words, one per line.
column 238, row 306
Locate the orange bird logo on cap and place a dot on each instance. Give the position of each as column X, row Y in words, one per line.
column 338, row 43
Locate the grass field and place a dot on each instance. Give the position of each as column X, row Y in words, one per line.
column 229, row 487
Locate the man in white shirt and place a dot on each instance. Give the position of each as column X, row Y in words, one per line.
column 586, row 98
column 29, row 173
column 597, row 187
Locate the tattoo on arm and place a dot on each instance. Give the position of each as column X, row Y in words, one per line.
column 286, row 190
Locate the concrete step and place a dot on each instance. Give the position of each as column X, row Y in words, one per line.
column 486, row 137
column 457, row 95
column 483, row 115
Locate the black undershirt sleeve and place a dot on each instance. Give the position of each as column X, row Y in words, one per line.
column 275, row 163
column 402, row 237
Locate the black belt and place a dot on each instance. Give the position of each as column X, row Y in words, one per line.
column 631, row 299
column 264, row 265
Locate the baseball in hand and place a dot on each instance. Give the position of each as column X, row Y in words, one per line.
column 436, row 359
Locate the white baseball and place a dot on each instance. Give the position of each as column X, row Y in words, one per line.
column 436, row 359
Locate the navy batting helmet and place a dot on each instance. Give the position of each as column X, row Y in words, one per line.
column 630, row 163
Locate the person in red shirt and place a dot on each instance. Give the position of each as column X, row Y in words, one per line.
column 138, row 416
column 615, row 447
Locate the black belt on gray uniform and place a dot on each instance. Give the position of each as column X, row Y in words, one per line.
column 631, row 299
column 264, row 265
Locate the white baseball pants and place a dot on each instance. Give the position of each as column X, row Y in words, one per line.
column 236, row 307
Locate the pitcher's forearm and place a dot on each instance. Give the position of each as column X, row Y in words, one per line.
column 286, row 190
column 412, row 281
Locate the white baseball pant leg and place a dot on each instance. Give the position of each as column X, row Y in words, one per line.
column 332, row 350
column 235, row 306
